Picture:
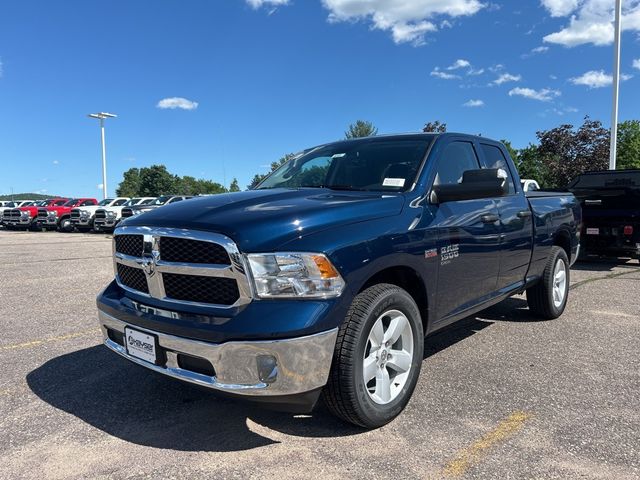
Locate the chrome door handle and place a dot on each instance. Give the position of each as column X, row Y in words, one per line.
column 524, row 214
column 491, row 218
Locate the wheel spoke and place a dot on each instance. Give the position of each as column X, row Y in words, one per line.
column 556, row 294
column 376, row 337
column 400, row 360
column 369, row 368
column 383, row 385
column 396, row 327
column 560, row 276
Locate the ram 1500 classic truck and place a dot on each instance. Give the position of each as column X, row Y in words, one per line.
column 611, row 212
column 82, row 218
column 326, row 278
column 26, row 217
column 108, row 217
column 58, row 217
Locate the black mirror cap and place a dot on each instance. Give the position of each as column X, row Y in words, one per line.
column 476, row 184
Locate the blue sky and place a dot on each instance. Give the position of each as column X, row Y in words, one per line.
column 250, row 80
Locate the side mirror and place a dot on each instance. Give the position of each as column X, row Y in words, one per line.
column 475, row 184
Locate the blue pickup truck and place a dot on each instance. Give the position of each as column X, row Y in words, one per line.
column 326, row 278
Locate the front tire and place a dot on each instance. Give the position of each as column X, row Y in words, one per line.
column 377, row 359
column 65, row 225
column 548, row 298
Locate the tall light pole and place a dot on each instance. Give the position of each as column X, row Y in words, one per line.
column 101, row 116
column 616, row 87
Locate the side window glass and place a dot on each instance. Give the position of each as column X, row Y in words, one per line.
column 456, row 158
column 118, row 203
column 495, row 159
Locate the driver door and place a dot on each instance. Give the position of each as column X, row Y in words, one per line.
column 468, row 233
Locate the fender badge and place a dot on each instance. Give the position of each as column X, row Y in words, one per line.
column 433, row 252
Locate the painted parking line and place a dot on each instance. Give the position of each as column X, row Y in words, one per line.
column 36, row 343
column 472, row 455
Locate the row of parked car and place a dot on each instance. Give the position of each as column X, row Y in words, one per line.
column 81, row 214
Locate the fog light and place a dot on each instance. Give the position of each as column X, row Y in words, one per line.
column 267, row 368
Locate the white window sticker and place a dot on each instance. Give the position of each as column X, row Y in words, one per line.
column 393, row 182
column 338, row 155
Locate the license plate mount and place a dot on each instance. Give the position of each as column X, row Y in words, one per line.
column 141, row 345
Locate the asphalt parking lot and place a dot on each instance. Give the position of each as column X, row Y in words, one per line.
column 501, row 394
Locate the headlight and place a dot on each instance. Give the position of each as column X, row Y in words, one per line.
column 308, row 275
column 111, row 214
column 25, row 214
column 84, row 214
column 52, row 213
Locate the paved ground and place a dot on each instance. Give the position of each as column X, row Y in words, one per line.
column 501, row 395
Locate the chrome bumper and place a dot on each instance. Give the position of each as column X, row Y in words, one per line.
column 256, row 368
column 105, row 222
column 81, row 222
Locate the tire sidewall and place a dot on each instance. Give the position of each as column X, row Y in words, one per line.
column 393, row 299
column 559, row 256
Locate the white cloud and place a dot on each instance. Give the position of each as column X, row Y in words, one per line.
column 55, row 162
column 473, row 103
column 460, row 63
column 408, row 22
column 506, row 77
column 591, row 21
column 444, row 75
column 535, row 51
column 636, row 63
column 560, row 8
column 177, row 102
column 543, row 95
column 596, row 79
column 255, row 4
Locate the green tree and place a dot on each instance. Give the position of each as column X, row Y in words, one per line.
column 156, row 180
column 513, row 153
column 566, row 153
column 628, row 153
column 435, row 127
column 130, row 184
column 360, row 129
column 234, row 187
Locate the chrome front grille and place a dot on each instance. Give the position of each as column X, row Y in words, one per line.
column 75, row 214
column 101, row 214
column 42, row 213
column 181, row 266
column 127, row 212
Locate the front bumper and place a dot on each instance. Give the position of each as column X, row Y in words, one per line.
column 269, row 368
column 106, row 223
column 47, row 221
column 81, row 222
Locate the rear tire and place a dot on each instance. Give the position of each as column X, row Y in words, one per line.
column 382, row 340
column 548, row 298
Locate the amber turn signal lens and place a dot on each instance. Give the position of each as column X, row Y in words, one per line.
column 324, row 265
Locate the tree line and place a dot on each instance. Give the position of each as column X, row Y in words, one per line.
column 156, row 180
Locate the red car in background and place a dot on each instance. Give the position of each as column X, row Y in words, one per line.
column 58, row 217
column 26, row 217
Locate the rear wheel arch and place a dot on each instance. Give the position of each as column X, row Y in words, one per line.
column 562, row 239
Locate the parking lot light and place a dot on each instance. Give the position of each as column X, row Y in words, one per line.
column 101, row 116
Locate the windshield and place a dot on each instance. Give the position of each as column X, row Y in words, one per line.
column 374, row 164
column 147, row 201
column 602, row 180
column 160, row 200
column 71, row 202
column 104, row 202
column 130, row 202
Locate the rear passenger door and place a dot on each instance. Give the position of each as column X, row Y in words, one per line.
column 468, row 236
column 515, row 220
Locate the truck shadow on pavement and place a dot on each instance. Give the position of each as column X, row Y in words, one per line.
column 142, row 407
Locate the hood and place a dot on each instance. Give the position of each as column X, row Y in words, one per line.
column 263, row 220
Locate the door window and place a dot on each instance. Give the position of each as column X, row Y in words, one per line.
column 494, row 158
column 456, row 158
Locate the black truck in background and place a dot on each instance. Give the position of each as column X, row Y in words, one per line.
column 610, row 212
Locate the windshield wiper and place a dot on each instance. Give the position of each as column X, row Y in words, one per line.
column 335, row 187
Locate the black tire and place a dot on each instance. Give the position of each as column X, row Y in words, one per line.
column 540, row 296
column 65, row 225
column 346, row 394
